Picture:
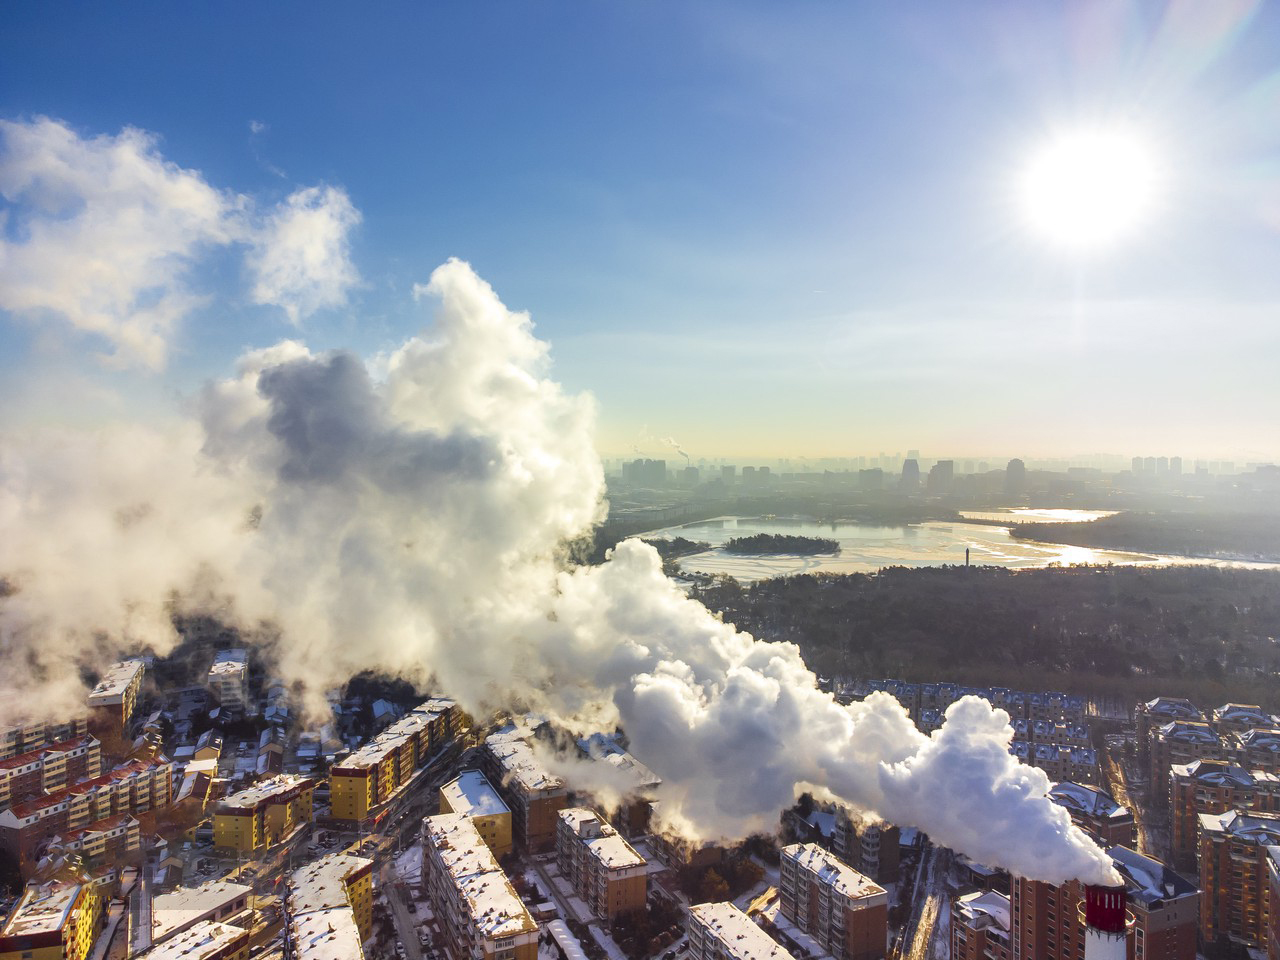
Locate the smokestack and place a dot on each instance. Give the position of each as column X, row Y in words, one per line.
column 1105, row 923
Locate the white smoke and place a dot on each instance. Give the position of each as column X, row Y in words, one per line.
column 415, row 523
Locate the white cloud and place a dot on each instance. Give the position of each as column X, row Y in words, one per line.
column 106, row 230
column 301, row 260
column 105, row 234
column 257, row 126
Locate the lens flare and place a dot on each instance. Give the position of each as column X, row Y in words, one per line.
column 1089, row 188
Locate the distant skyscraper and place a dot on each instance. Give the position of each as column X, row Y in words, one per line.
column 1015, row 478
column 1175, row 466
column 1137, row 466
column 940, row 476
column 911, row 474
column 727, row 474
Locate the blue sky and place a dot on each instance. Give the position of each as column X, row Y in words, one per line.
column 764, row 229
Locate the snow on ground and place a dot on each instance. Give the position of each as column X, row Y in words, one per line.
column 606, row 943
column 409, row 864
column 744, row 901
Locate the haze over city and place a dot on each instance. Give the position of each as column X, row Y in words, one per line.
column 559, row 470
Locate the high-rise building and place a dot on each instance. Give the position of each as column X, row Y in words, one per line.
column 478, row 911
column 941, row 475
column 720, row 931
column 1048, row 921
column 844, row 911
column 534, row 794
column 604, row 870
column 911, row 474
column 1213, row 786
column 868, row 846
column 1015, row 478
column 228, row 679
column 980, row 927
column 330, row 908
column 1233, row 874
column 112, row 701
column 48, row 769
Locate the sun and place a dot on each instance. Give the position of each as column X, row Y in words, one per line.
column 1088, row 188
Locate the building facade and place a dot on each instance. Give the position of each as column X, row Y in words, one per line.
column 534, row 795
column 264, row 814
column 1233, row 874
column 980, row 927
column 479, row 913
column 330, row 908
column 49, row 768
column 847, row 913
column 604, row 870
column 720, row 931
column 371, row 776
column 52, row 921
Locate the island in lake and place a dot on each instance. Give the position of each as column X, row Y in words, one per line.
column 763, row 543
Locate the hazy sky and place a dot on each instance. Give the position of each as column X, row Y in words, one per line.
column 763, row 229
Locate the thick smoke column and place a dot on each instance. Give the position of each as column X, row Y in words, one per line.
column 415, row 523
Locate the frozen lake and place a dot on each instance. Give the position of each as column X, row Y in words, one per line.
column 866, row 548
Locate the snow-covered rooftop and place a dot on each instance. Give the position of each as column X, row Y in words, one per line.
column 828, row 870
column 472, row 794
column 984, row 909
column 171, row 912
column 205, row 939
column 275, row 788
column 115, row 682
column 41, row 910
column 494, row 908
column 599, row 837
column 323, row 923
column 741, row 937
column 394, row 737
column 1149, row 880
column 1088, row 800
column 519, row 763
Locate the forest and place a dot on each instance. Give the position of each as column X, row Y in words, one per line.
column 766, row 543
column 1202, row 632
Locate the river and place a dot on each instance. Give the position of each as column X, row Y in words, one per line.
column 866, row 548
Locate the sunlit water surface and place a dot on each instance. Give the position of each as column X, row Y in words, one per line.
column 866, row 548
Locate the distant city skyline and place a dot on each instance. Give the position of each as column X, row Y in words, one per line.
column 766, row 231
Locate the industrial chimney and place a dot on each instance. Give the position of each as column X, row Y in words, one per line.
column 1105, row 923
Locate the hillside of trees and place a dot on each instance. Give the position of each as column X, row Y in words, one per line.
column 1241, row 535
column 1202, row 632
column 767, row 543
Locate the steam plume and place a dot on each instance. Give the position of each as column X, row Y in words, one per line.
column 414, row 524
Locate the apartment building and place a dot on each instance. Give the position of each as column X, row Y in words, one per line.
column 228, row 679
column 720, row 931
column 479, row 913
column 219, row 901
column 137, row 788
column 114, row 840
column 264, row 814
column 1180, row 742
column 1238, row 718
column 474, row 796
column 980, row 927
column 112, row 701
column 1047, row 922
column 372, row 775
column 206, row 940
column 604, row 870
column 1096, row 812
column 535, row 795
column 635, row 812
column 1212, row 786
column 1153, row 714
column 1257, row 749
column 844, row 911
column 1233, row 874
column 24, row 738
column 49, row 768
column 330, row 908
column 869, row 847
column 1273, row 902
column 52, row 920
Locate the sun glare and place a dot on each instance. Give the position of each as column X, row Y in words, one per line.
column 1089, row 188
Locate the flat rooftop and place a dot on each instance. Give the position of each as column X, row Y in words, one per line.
column 323, row 923
column 171, row 912
column 205, row 939
column 518, row 761
column 41, row 910
column 116, row 681
column 607, row 846
column 495, row 909
column 742, row 938
column 251, row 797
column 472, row 794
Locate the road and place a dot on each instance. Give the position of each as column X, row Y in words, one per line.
column 1118, row 785
column 922, row 929
column 406, row 925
